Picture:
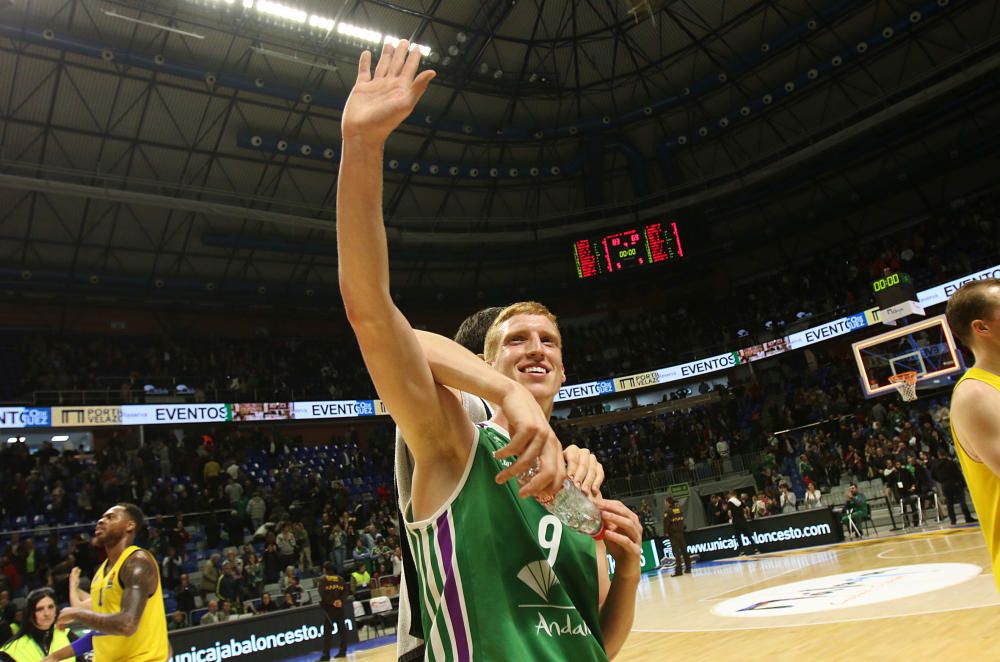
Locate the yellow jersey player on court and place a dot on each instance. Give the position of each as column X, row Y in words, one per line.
column 974, row 317
column 126, row 603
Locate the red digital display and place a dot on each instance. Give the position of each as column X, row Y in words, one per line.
column 586, row 261
column 635, row 247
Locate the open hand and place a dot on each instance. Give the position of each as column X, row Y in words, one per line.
column 74, row 579
column 379, row 102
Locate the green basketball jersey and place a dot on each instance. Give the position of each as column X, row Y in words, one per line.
column 500, row 578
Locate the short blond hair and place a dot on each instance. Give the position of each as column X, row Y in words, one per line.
column 969, row 303
column 493, row 337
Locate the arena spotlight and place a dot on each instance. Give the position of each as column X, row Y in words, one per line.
column 151, row 24
column 277, row 55
column 295, row 17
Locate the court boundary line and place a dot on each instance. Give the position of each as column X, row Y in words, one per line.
column 846, row 620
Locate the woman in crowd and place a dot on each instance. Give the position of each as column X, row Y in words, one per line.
column 253, row 574
column 287, row 579
column 813, row 497
column 38, row 636
column 266, row 604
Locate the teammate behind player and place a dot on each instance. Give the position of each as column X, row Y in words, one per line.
column 126, row 603
column 974, row 317
column 508, row 586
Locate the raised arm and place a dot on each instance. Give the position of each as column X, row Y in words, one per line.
column 76, row 597
column 427, row 413
column 139, row 577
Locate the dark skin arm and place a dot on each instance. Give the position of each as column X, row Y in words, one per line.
column 138, row 576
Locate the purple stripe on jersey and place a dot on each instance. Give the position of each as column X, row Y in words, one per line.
column 451, row 597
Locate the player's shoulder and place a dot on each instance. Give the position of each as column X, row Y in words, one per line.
column 140, row 558
column 973, row 395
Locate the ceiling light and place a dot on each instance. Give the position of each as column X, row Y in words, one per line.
column 363, row 34
column 322, row 23
column 153, row 24
column 61, row 437
column 260, row 50
column 281, row 11
column 424, row 50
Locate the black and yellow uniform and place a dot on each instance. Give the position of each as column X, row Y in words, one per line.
column 673, row 526
column 333, row 591
column 149, row 642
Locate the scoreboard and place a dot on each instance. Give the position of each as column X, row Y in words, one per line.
column 640, row 246
column 893, row 289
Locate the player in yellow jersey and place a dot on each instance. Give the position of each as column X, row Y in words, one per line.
column 974, row 317
column 126, row 604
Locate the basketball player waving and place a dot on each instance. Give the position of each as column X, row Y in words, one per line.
column 499, row 577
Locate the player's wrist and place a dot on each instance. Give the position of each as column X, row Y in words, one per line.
column 357, row 138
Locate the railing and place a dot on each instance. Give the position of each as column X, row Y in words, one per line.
column 658, row 481
column 189, row 518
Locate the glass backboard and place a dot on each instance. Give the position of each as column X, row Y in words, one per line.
column 926, row 348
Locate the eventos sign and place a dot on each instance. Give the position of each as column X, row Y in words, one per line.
column 25, row 417
column 826, row 331
column 942, row 293
column 173, row 414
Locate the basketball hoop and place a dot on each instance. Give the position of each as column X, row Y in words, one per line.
column 906, row 384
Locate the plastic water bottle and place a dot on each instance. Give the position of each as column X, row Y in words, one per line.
column 570, row 505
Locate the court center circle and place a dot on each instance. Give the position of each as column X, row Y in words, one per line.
column 847, row 590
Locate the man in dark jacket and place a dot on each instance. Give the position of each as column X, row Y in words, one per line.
column 741, row 527
column 673, row 527
column 948, row 474
column 333, row 592
column 904, row 490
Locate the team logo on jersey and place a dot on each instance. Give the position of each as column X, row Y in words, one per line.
column 539, row 577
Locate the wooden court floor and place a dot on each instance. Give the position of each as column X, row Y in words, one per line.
column 677, row 617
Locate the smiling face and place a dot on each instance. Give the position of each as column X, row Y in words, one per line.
column 45, row 614
column 529, row 351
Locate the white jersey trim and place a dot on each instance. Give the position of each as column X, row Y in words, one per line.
column 427, row 521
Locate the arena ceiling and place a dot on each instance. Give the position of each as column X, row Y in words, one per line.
column 188, row 150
